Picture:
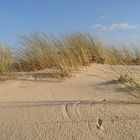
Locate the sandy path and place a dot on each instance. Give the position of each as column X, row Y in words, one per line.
column 91, row 105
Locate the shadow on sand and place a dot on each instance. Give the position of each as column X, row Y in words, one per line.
column 32, row 76
column 4, row 105
column 125, row 88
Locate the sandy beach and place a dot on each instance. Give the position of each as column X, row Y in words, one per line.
column 70, row 70
column 90, row 105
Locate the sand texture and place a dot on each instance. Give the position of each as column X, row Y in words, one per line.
column 92, row 105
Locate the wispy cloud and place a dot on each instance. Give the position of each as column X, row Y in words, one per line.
column 105, row 16
column 115, row 27
column 97, row 26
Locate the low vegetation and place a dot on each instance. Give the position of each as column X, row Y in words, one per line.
column 64, row 55
column 128, row 77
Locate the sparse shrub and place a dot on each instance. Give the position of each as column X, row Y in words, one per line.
column 125, row 78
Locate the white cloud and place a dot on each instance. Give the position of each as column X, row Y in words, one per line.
column 97, row 25
column 115, row 27
column 105, row 16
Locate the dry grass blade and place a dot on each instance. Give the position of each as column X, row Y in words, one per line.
column 7, row 67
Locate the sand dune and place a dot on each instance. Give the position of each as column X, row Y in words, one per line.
column 90, row 105
column 70, row 120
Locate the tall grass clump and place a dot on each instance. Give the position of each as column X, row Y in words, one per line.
column 77, row 47
column 6, row 61
column 41, row 52
column 38, row 53
column 62, row 55
column 34, row 53
column 97, row 49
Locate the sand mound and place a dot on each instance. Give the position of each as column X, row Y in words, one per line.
column 90, row 105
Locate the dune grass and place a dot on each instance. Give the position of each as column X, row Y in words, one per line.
column 132, row 81
column 6, row 61
column 64, row 54
column 129, row 78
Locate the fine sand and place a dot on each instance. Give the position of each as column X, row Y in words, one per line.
column 90, row 105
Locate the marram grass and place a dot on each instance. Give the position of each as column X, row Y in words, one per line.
column 6, row 61
column 64, row 54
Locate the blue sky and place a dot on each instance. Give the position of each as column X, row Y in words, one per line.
column 110, row 19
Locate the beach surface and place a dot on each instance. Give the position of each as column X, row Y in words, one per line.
column 90, row 105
